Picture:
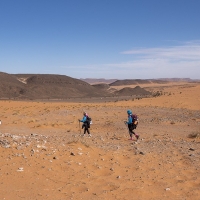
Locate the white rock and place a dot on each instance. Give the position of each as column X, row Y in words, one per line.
column 20, row 169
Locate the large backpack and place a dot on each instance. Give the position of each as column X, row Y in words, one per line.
column 134, row 120
column 88, row 120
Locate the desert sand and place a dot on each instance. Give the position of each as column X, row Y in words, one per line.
column 44, row 155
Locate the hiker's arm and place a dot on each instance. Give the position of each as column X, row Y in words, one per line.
column 84, row 119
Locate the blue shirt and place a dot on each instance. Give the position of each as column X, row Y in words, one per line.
column 84, row 119
column 130, row 120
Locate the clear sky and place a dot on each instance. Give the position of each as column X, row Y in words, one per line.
column 123, row 39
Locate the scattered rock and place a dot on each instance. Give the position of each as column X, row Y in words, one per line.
column 20, row 169
column 191, row 149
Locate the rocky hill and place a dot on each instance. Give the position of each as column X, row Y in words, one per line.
column 44, row 86
column 132, row 91
column 102, row 86
column 137, row 82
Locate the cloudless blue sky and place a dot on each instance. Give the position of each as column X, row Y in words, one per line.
column 124, row 39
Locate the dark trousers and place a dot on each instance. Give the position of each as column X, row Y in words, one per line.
column 131, row 128
column 86, row 128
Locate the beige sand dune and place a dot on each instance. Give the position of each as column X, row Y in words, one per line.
column 44, row 156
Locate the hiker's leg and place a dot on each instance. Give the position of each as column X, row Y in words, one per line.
column 131, row 134
column 88, row 131
column 84, row 130
column 130, row 131
column 136, row 135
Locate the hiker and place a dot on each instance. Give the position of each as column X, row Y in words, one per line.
column 86, row 123
column 132, row 124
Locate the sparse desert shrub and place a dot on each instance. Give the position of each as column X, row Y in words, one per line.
column 30, row 121
column 157, row 94
column 194, row 135
column 172, row 122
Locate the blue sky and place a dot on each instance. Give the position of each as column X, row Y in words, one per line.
column 123, row 39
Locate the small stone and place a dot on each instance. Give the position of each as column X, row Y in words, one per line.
column 20, row 169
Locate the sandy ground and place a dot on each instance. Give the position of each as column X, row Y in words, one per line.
column 44, row 156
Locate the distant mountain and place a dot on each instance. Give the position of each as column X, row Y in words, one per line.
column 45, row 86
column 49, row 86
column 101, row 86
column 148, row 81
column 136, row 82
column 179, row 79
column 98, row 81
column 132, row 91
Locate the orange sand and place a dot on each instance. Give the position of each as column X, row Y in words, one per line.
column 44, row 156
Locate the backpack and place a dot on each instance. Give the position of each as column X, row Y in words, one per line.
column 135, row 120
column 88, row 120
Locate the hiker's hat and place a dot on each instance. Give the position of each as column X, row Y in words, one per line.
column 129, row 112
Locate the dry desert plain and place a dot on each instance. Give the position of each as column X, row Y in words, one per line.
column 44, row 156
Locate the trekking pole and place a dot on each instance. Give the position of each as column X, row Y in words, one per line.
column 79, row 127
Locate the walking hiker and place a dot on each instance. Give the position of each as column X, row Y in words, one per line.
column 132, row 124
column 86, row 123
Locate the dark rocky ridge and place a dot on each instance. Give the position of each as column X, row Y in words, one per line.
column 44, row 86
column 47, row 86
